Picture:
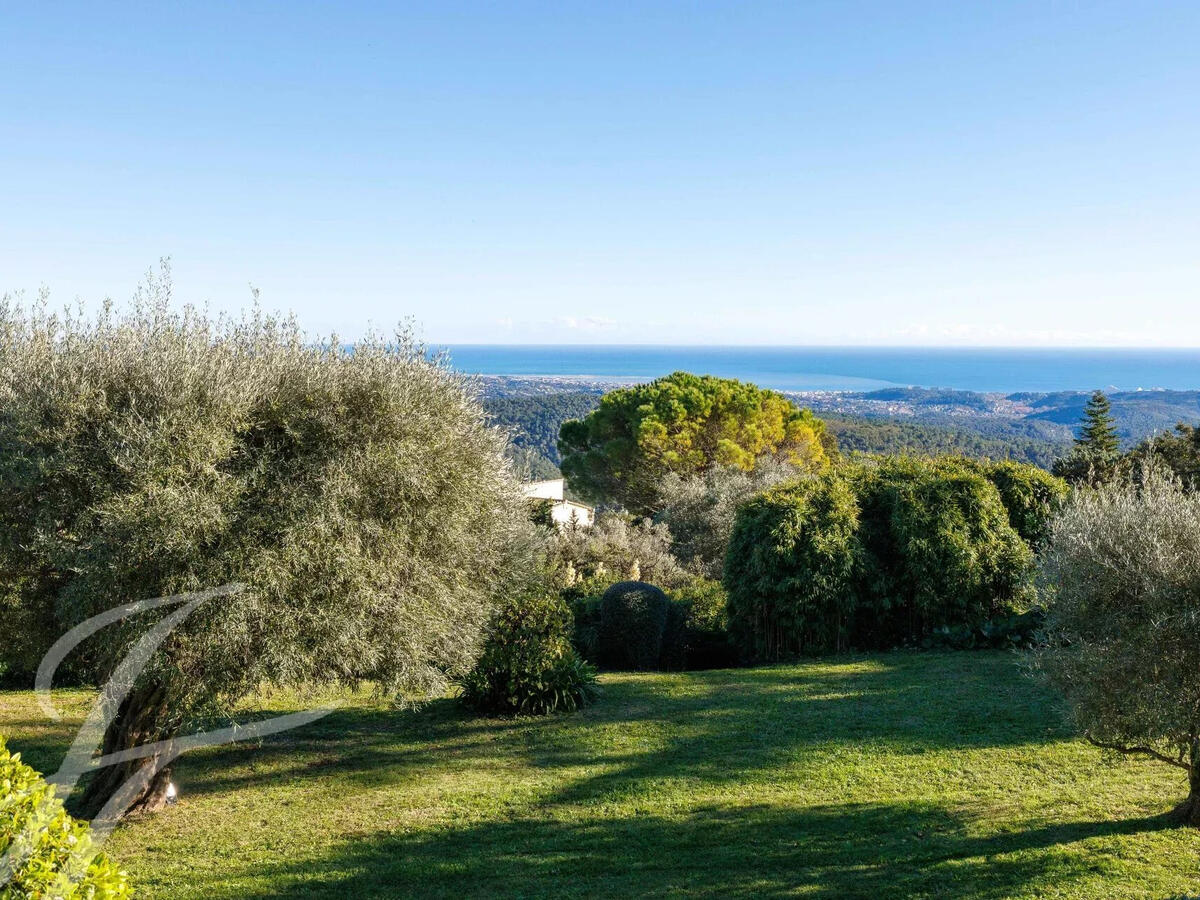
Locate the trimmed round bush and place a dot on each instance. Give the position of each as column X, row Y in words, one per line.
column 528, row 666
column 51, row 854
column 633, row 619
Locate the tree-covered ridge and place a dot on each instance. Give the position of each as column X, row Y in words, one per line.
column 535, row 420
column 981, row 439
column 683, row 423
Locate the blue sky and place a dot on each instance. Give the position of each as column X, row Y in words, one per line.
column 791, row 173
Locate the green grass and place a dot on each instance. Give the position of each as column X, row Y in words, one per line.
column 893, row 775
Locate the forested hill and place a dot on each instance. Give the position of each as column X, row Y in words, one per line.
column 1138, row 414
column 891, row 436
column 534, row 420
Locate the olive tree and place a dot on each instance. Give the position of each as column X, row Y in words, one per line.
column 358, row 494
column 1121, row 571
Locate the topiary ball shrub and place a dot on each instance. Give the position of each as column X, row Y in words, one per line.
column 528, row 665
column 51, row 854
column 633, row 619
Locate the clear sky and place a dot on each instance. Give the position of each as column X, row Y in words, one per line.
column 772, row 173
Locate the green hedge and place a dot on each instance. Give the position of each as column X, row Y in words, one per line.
column 873, row 555
column 52, row 854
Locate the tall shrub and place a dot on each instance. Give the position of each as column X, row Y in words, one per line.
column 937, row 550
column 359, row 494
column 791, row 566
column 1030, row 494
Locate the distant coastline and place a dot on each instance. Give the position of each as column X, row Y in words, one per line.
column 982, row 369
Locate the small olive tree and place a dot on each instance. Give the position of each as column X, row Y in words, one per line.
column 1121, row 571
column 359, row 494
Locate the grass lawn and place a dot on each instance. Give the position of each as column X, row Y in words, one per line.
column 892, row 775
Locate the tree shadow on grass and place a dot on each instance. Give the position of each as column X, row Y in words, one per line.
column 758, row 851
column 715, row 727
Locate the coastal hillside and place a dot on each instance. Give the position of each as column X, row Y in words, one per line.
column 1026, row 427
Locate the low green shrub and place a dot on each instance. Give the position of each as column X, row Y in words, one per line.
column 528, row 665
column 51, row 854
column 1019, row 631
column 586, row 633
column 633, row 619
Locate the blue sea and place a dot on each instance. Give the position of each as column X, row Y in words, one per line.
column 1006, row 370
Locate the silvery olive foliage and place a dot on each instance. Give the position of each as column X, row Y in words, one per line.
column 1121, row 579
column 700, row 508
column 358, row 493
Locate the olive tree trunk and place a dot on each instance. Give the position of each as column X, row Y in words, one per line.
column 1188, row 812
column 140, row 720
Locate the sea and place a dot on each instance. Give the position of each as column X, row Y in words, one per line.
column 987, row 370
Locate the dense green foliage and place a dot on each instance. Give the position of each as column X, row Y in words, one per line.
column 872, row 556
column 528, row 666
column 697, row 634
column 633, row 619
column 683, row 423
column 1122, row 571
column 791, row 568
column 360, row 496
column 1031, row 495
column 44, row 853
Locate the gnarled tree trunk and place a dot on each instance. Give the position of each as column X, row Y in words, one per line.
column 141, row 719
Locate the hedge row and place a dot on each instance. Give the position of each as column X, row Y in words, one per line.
column 884, row 554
